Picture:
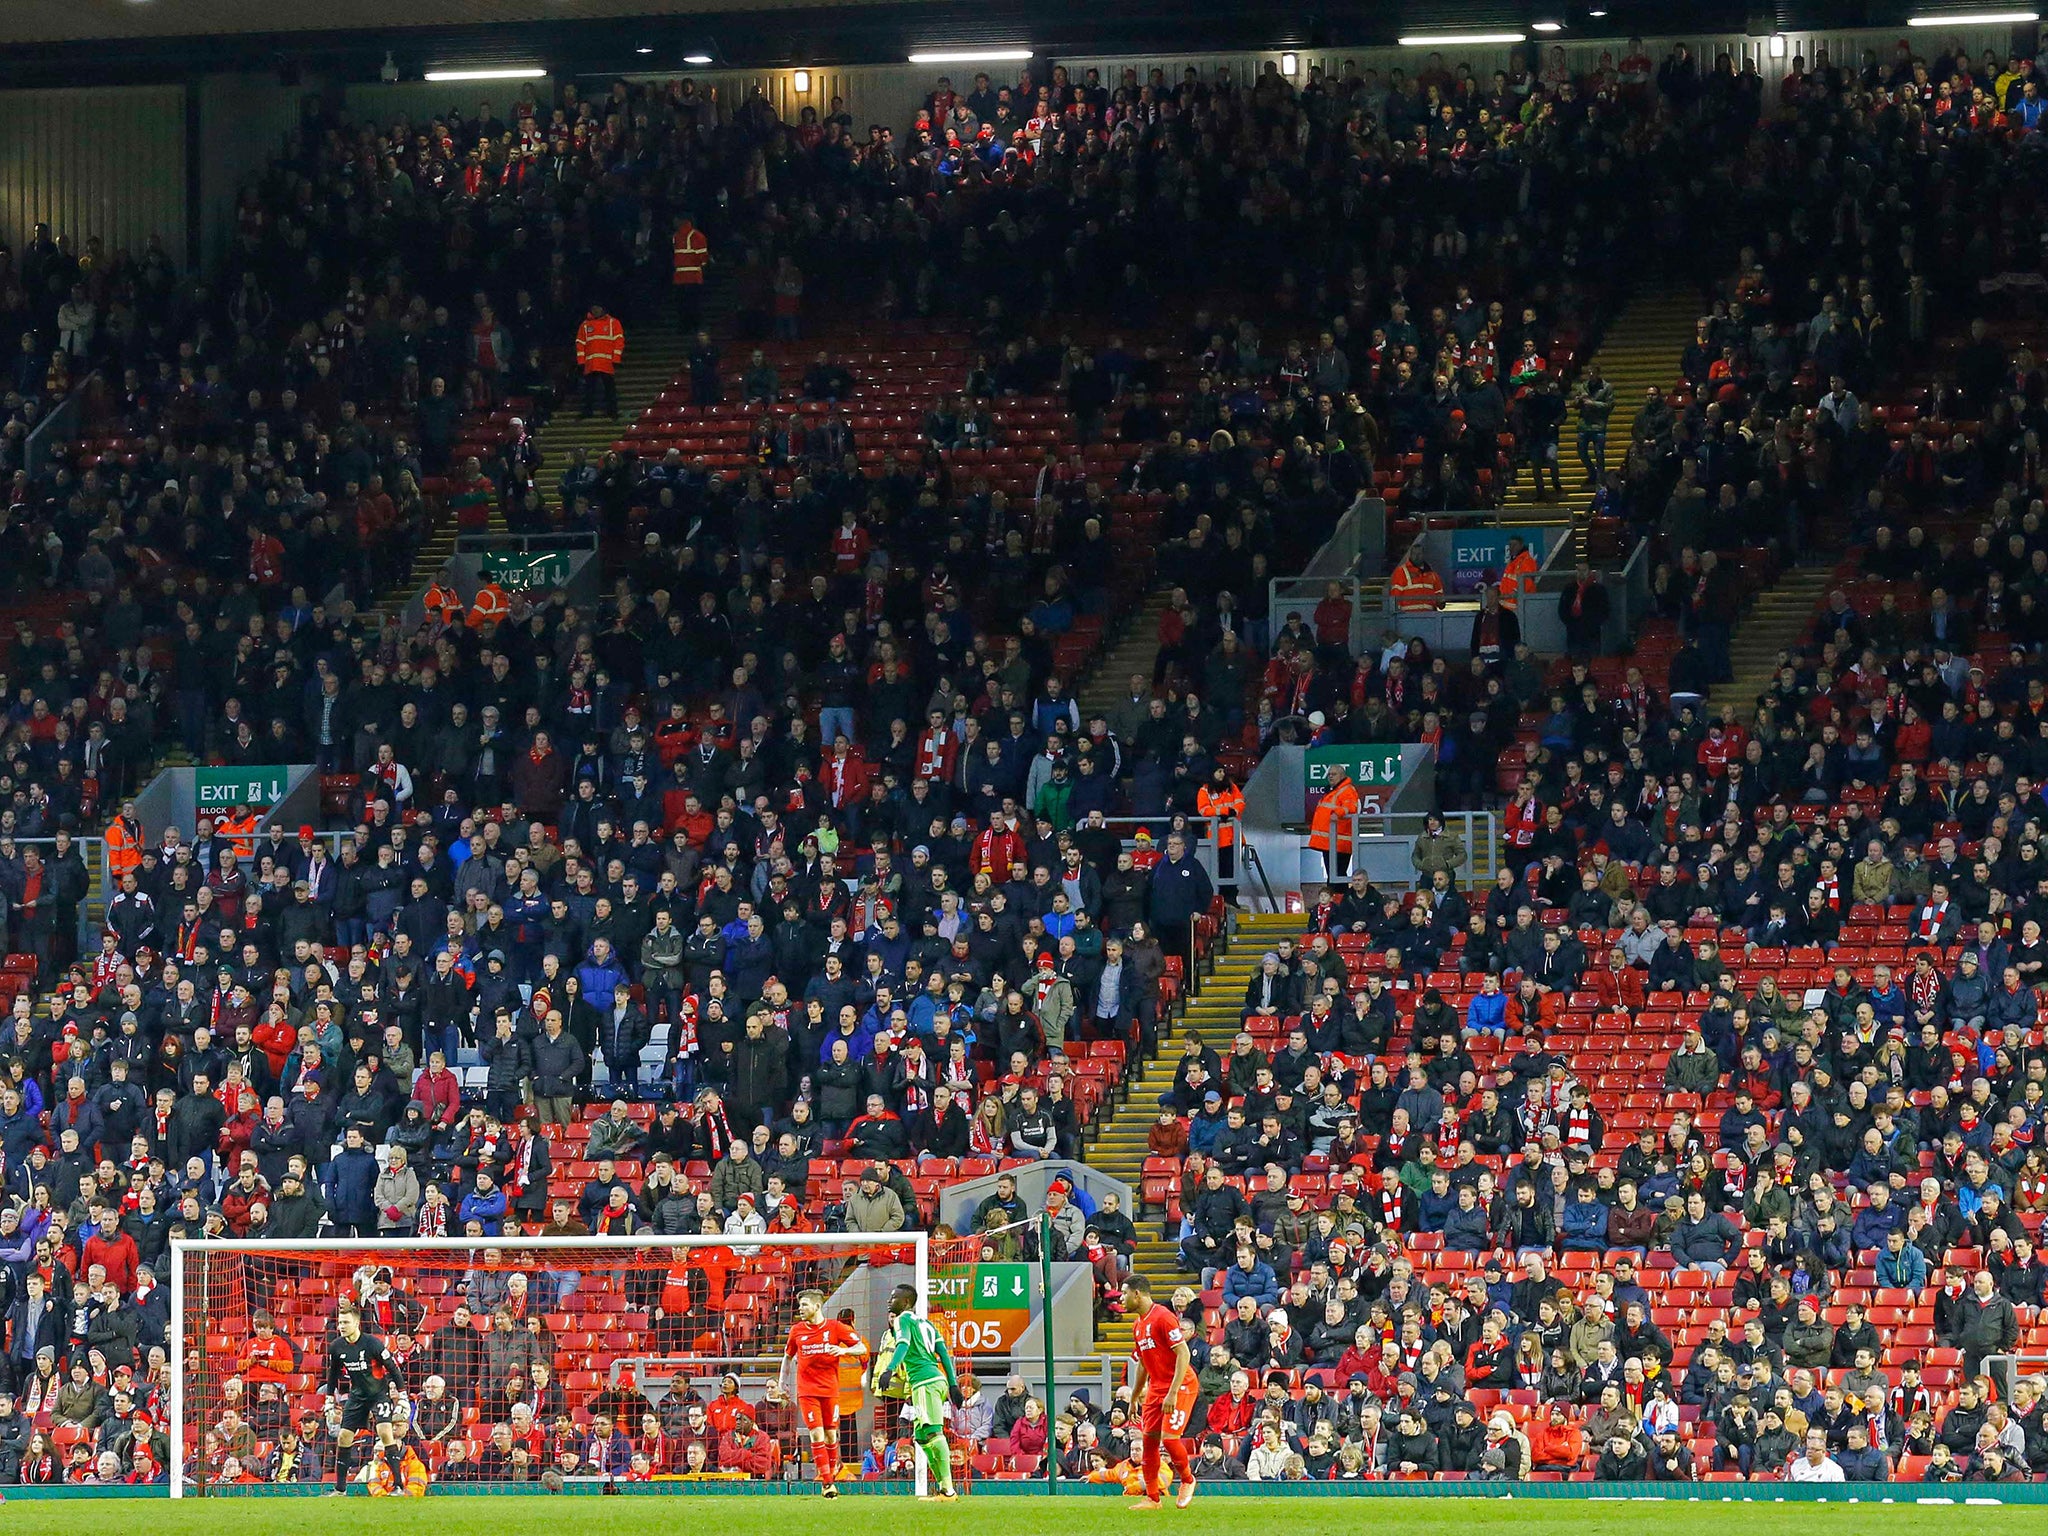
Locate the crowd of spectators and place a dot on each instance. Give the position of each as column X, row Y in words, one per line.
column 800, row 831
column 1843, row 1188
column 273, row 437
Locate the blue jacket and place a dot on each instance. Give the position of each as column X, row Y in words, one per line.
column 1465, row 1231
column 1175, row 892
column 1488, row 1011
column 350, row 1184
column 860, row 1045
column 1258, row 1282
column 21, row 1133
column 1872, row 1226
column 748, row 965
column 488, row 1209
column 527, row 917
column 600, row 980
column 1432, row 1210
column 2008, row 1010
column 1905, row 1270
column 1710, row 1240
column 1584, row 1227
column 1203, row 1131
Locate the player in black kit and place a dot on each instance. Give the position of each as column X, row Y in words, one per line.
column 374, row 1378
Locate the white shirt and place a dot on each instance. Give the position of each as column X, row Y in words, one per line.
column 1804, row 1471
column 1267, row 1465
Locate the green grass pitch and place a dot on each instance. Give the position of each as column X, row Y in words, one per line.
column 891, row 1516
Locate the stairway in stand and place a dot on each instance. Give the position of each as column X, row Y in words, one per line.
column 1133, row 650
column 656, row 355
column 1777, row 621
column 427, row 561
column 1118, row 1146
column 1642, row 348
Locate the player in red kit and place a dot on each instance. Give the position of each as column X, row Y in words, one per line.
column 1165, row 1387
column 817, row 1344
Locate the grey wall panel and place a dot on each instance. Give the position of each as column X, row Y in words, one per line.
column 105, row 161
column 245, row 123
column 421, row 101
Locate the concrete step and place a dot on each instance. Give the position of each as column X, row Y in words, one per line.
column 1641, row 349
column 1776, row 620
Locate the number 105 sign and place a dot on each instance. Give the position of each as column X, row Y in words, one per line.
column 984, row 1308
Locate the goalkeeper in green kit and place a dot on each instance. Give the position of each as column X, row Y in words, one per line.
column 918, row 1350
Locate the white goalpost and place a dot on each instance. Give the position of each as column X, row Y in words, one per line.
column 616, row 1312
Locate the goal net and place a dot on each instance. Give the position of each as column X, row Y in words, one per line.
column 604, row 1359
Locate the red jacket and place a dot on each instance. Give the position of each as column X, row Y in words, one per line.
column 850, row 548
column 235, row 1202
column 277, row 1040
column 1333, row 621
column 117, row 1255
column 1232, row 1416
column 442, row 1097
column 937, row 754
column 755, row 1454
column 846, row 779
column 995, row 851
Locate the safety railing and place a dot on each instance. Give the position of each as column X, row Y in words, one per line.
column 566, row 542
column 99, row 883
column 57, row 429
column 1397, row 832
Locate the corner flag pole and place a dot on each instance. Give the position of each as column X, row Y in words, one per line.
column 921, row 1279
column 1052, row 1461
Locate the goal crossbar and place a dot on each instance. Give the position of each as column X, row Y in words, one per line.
column 917, row 1244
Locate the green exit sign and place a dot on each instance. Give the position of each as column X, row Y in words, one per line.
column 220, row 789
column 526, row 573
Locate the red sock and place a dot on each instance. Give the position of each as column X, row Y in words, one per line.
column 1177, row 1453
column 1151, row 1463
column 826, row 1455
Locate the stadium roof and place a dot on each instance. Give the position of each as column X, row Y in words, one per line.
column 91, row 41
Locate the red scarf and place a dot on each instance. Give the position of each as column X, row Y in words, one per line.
column 1392, row 1198
column 1736, row 1177
column 1578, row 1126
column 1930, row 921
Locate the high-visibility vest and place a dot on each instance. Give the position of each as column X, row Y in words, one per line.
column 491, row 606
column 1519, row 574
column 410, row 1482
column 443, row 602
column 1415, row 590
column 124, row 847
column 600, row 344
column 240, row 831
column 1330, row 825
column 692, row 252
column 1226, row 807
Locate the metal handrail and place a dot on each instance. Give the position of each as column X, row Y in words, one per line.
column 525, row 543
column 56, row 427
column 1479, row 829
column 94, row 851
